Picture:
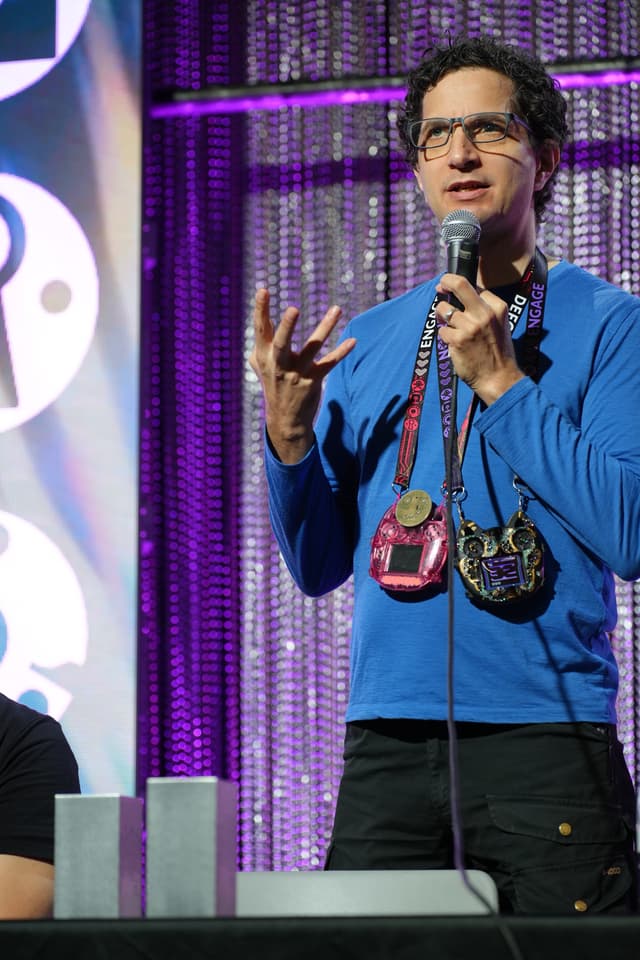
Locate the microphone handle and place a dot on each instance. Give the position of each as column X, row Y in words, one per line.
column 462, row 259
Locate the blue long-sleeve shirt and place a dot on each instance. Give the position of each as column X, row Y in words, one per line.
column 573, row 438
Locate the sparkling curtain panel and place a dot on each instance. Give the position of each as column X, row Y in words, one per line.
column 271, row 158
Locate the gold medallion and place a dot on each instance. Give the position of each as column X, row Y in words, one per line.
column 413, row 507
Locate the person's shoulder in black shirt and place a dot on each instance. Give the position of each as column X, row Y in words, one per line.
column 36, row 762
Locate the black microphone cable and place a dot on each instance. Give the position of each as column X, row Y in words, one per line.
column 454, row 769
column 461, row 233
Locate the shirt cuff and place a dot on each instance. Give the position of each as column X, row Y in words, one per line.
column 501, row 407
column 273, row 460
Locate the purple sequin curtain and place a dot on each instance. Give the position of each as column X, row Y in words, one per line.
column 191, row 404
column 240, row 675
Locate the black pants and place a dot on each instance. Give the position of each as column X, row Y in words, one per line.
column 548, row 810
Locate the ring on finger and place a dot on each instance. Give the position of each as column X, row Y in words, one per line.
column 449, row 314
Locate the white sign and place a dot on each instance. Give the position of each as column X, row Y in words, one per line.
column 17, row 75
column 48, row 299
column 42, row 613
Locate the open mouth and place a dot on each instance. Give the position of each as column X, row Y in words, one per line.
column 466, row 186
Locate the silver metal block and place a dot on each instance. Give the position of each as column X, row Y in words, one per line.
column 363, row 893
column 98, row 856
column 191, row 847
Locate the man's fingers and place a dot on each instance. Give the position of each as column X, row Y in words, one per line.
column 319, row 336
column 329, row 361
column 453, row 283
column 261, row 321
column 281, row 342
column 278, row 342
column 494, row 302
column 264, row 331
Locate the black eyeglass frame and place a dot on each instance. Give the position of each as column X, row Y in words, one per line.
column 452, row 121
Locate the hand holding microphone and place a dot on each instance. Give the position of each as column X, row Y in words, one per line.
column 477, row 335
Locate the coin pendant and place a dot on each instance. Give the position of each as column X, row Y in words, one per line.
column 413, row 507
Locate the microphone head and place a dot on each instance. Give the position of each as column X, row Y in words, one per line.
column 460, row 225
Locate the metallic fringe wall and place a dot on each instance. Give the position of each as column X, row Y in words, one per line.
column 240, row 675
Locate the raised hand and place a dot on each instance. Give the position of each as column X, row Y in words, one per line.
column 292, row 380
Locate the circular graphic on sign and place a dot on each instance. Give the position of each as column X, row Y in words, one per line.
column 34, row 37
column 43, row 616
column 48, row 299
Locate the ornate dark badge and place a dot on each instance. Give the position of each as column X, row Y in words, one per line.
column 500, row 564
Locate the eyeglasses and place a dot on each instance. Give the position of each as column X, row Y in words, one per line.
column 478, row 127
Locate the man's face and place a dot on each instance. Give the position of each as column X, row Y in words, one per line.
column 496, row 181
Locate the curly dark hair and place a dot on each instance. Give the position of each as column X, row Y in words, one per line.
column 537, row 97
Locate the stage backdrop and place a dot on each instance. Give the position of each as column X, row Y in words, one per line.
column 280, row 165
column 69, row 308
